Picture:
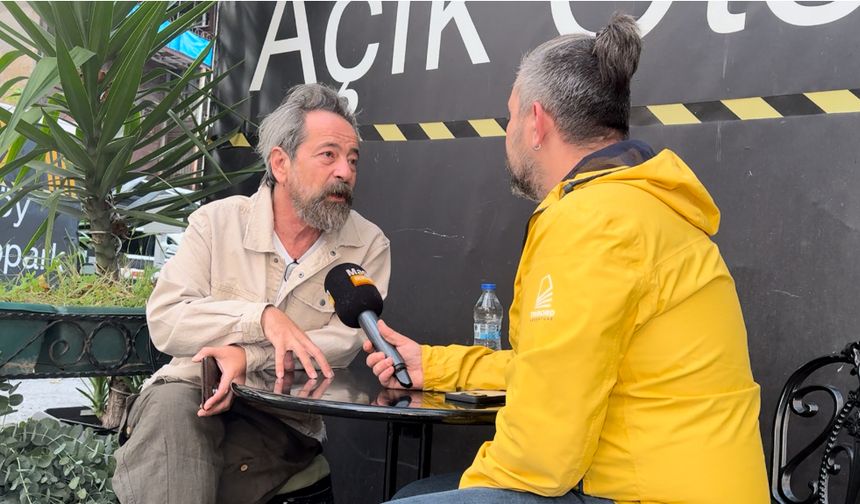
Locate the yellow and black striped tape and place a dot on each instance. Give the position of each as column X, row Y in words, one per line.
column 442, row 130
column 837, row 101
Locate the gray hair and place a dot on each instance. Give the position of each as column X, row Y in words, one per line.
column 285, row 126
column 583, row 82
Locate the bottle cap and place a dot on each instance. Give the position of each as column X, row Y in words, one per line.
column 488, row 286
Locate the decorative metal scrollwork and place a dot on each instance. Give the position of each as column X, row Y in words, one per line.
column 837, row 441
column 65, row 345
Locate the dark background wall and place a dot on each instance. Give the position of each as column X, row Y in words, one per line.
column 788, row 187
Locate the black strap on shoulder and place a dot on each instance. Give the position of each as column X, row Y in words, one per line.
column 570, row 186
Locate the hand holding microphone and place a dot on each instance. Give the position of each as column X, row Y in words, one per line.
column 358, row 303
column 383, row 367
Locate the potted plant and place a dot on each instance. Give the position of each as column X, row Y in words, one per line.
column 137, row 128
column 71, row 331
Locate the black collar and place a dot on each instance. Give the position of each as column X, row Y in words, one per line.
column 623, row 153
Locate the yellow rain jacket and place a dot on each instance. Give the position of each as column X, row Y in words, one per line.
column 629, row 369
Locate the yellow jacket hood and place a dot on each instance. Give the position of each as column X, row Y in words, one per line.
column 666, row 177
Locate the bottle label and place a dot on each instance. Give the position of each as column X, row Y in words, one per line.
column 488, row 335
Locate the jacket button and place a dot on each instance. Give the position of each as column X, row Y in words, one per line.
column 332, row 253
column 322, row 302
column 301, row 275
column 276, row 260
column 243, row 467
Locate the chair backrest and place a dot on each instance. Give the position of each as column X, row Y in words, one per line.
column 820, row 401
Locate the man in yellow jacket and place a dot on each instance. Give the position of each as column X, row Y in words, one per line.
column 629, row 371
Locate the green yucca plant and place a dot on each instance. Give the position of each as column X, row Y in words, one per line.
column 132, row 122
column 90, row 69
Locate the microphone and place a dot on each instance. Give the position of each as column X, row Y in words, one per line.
column 358, row 303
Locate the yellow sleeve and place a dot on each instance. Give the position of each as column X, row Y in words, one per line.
column 458, row 367
column 568, row 352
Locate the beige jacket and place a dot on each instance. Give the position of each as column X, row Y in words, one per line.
column 226, row 272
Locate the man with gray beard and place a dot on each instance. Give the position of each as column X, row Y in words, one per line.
column 246, row 288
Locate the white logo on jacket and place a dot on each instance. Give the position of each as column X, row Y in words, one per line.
column 543, row 302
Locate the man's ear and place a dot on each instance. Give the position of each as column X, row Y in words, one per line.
column 280, row 163
column 542, row 125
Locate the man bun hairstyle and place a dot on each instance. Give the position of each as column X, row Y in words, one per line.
column 617, row 48
column 583, row 81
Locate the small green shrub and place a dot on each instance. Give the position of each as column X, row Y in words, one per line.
column 97, row 389
column 45, row 461
column 8, row 398
column 62, row 284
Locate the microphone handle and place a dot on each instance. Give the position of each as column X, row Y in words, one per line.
column 367, row 320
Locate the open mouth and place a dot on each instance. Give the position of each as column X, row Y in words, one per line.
column 339, row 195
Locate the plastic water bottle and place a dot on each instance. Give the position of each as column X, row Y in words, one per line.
column 488, row 318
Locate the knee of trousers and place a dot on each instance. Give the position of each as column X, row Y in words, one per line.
column 167, row 413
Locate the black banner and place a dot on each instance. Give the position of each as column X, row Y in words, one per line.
column 760, row 99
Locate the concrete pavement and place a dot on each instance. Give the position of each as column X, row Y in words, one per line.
column 47, row 393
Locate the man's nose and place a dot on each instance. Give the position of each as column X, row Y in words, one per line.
column 344, row 170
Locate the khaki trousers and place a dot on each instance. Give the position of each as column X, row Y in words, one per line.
column 173, row 456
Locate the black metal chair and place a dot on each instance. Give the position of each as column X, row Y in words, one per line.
column 318, row 493
column 311, row 485
column 823, row 411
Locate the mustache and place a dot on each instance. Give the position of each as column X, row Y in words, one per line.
column 339, row 190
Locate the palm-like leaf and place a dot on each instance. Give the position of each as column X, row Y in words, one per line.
column 91, row 67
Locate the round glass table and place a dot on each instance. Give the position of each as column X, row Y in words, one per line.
column 356, row 393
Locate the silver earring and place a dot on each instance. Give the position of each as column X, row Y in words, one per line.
column 536, row 147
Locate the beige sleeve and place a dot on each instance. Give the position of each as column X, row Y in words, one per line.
column 183, row 316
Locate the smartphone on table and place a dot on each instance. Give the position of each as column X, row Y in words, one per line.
column 477, row 397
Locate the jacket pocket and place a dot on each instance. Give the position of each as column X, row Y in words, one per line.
column 309, row 306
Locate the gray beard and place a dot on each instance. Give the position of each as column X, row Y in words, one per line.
column 320, row 213
column 524, row 185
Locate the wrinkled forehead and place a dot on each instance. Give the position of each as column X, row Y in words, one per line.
column 327, row 127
